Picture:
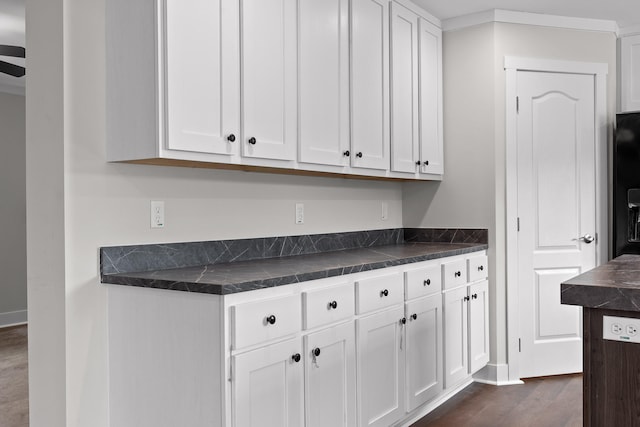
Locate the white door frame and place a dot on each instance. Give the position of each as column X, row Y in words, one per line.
column 512, row 65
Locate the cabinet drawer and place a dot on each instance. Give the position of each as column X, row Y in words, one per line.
column 477, row 267
column 327, row 305
column 264, row 320
column 422, row 281
column 379, row 292
column 454, row 273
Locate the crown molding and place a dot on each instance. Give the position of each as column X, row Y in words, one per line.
column 526, row 18
column 629, row 31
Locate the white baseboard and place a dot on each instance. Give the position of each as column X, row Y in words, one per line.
column 13, row 318
column 495, row 374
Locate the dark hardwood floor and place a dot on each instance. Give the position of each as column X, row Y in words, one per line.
column 14, row 383
column 540, row 402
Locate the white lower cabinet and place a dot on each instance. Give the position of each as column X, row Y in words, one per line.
column 381, row 367
column 330, row 377
column 371, row 349
column 423, row 350
column 268, row 386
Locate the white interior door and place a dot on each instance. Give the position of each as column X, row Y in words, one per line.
column 557, row 214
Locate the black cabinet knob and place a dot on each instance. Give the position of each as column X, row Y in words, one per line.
column 418, row 162
column 466, row 298
column 271, row 319
column 481, row 268
column 346, row 153
column 359, row 154
column 296, row 357
column 414, row 316
column 231, row 138
column 403, row 320
column 426, row 162
column 384, row 293
column 252, row 141
column 316, row 352
column 474, row 296
column 333, row 304
column 427, row 282
column 457, row 274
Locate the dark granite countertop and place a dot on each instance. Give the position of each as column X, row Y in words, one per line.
column 240, row 276
column 614, row 286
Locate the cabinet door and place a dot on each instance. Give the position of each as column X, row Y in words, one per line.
column 268, row 37
column 330, row 379
column 630, row 73
column 202, row 91
column 404, row 89
column 370, row 84
column 455, row 336
column 431, row 141
column 323, row 81
column 268, row 386
column 478, row 325
column 424, row 350
column 381, row 368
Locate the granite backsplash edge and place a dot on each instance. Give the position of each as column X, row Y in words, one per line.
column 139, row 258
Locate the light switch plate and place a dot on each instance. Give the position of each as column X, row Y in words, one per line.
column 625, row 329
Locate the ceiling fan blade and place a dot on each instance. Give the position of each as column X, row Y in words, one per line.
column 8, row 50
column 11, row 69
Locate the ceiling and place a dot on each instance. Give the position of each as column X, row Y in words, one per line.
column 625, row 12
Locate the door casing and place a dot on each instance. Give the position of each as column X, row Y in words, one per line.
column 512, row 65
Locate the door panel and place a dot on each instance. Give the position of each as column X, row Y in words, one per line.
column 456, row 362
column 369, row 84
column 269, row 104
column 478, row 325
column 556, row 206
column 202, row 91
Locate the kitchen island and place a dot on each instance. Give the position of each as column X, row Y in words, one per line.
column 610, row 297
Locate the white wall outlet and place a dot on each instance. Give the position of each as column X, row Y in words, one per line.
column 385, row 211
column 620, row 329
column 299, row 213
column 157, row 214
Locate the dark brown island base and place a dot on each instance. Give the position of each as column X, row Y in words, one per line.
column 610, row 295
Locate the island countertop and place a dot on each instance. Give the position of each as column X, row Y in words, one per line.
column 233, row 277
column 614, row 285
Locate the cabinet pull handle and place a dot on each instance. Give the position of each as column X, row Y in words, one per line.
column 359, row 154
column 346, row 153
column 296, row 357
column 403, row 320
column 466, row 298
column 384, row 293
column 426, row 162
column 231, row 138
column 333, row 304
column 481, row 268
column 474, row 296
column 418, row 162
column 427, row 282
column 252, row 141
column 316, row 352
column 414, row 316
column 457, row 274
column 271, row 320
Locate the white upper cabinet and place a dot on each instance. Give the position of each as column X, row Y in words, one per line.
column 268, row 46
column 370, row 84
column 404, row 89
column 431, row 138
column 202, row 70
column 323, row 81
column 630, row 73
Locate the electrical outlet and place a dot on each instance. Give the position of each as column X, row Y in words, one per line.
column 385, row 211
column 299, row 213
column 620, row 329
column 157, row 214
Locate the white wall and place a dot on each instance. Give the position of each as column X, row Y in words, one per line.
column 474, row 132
column 108, row 204
column 13, row 252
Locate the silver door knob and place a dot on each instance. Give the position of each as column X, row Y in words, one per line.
column 587, row 238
